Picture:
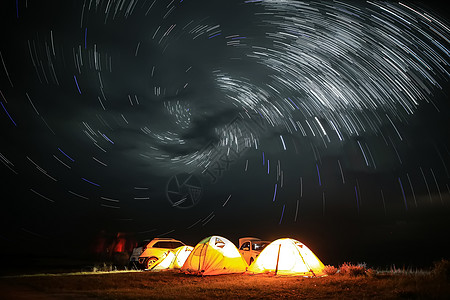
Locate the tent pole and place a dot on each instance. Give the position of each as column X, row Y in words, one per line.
column 310, row 270
column 200, row 257
column 160, row 260
column 278, row 259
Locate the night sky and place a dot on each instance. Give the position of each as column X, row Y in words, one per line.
column 325, row 121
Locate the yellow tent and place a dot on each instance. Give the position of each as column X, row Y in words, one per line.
column 214, row 255
column 287, row 257
column 173, row 259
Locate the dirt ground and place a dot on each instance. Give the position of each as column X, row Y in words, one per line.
column 175, row 285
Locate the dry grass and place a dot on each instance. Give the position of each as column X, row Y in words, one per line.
column 347, row 269
column 174, row 285
column 441, row 270
column 330, row 270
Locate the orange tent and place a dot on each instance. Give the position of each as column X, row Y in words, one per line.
column 287, row 257
column 214, row 255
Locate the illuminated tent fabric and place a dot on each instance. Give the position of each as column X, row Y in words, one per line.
column 214, row 255
column 173, row 259
column 287, row 257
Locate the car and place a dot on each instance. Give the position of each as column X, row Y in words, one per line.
column 152, row 251
column 136, row 252
column 250, row 248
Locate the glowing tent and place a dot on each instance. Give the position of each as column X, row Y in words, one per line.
column 214, row 255
column 287, row 257
column 173, row 259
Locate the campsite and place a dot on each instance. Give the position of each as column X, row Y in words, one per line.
column 214, row 268
column 232, row 149
column 216, row 255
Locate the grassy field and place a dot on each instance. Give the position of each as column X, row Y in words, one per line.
column 175, row 285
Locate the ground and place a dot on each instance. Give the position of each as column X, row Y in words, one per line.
column 175, row 285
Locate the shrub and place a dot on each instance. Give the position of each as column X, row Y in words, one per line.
column 330, row 270
column 103, row 267
column 344, row 269
column 352, row 270
column 372, row 273
column 441, row 269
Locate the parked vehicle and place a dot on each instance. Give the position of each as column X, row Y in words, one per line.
column 149, row 252
column 137, row 251
column 250, row 248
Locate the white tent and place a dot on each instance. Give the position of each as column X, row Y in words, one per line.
column 173, row 259
column 287, row 257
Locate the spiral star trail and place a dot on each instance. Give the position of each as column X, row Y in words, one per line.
column 148, row 116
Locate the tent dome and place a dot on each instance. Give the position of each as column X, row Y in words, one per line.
column 287, row 257
column 214, row 255
column 173, row 259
